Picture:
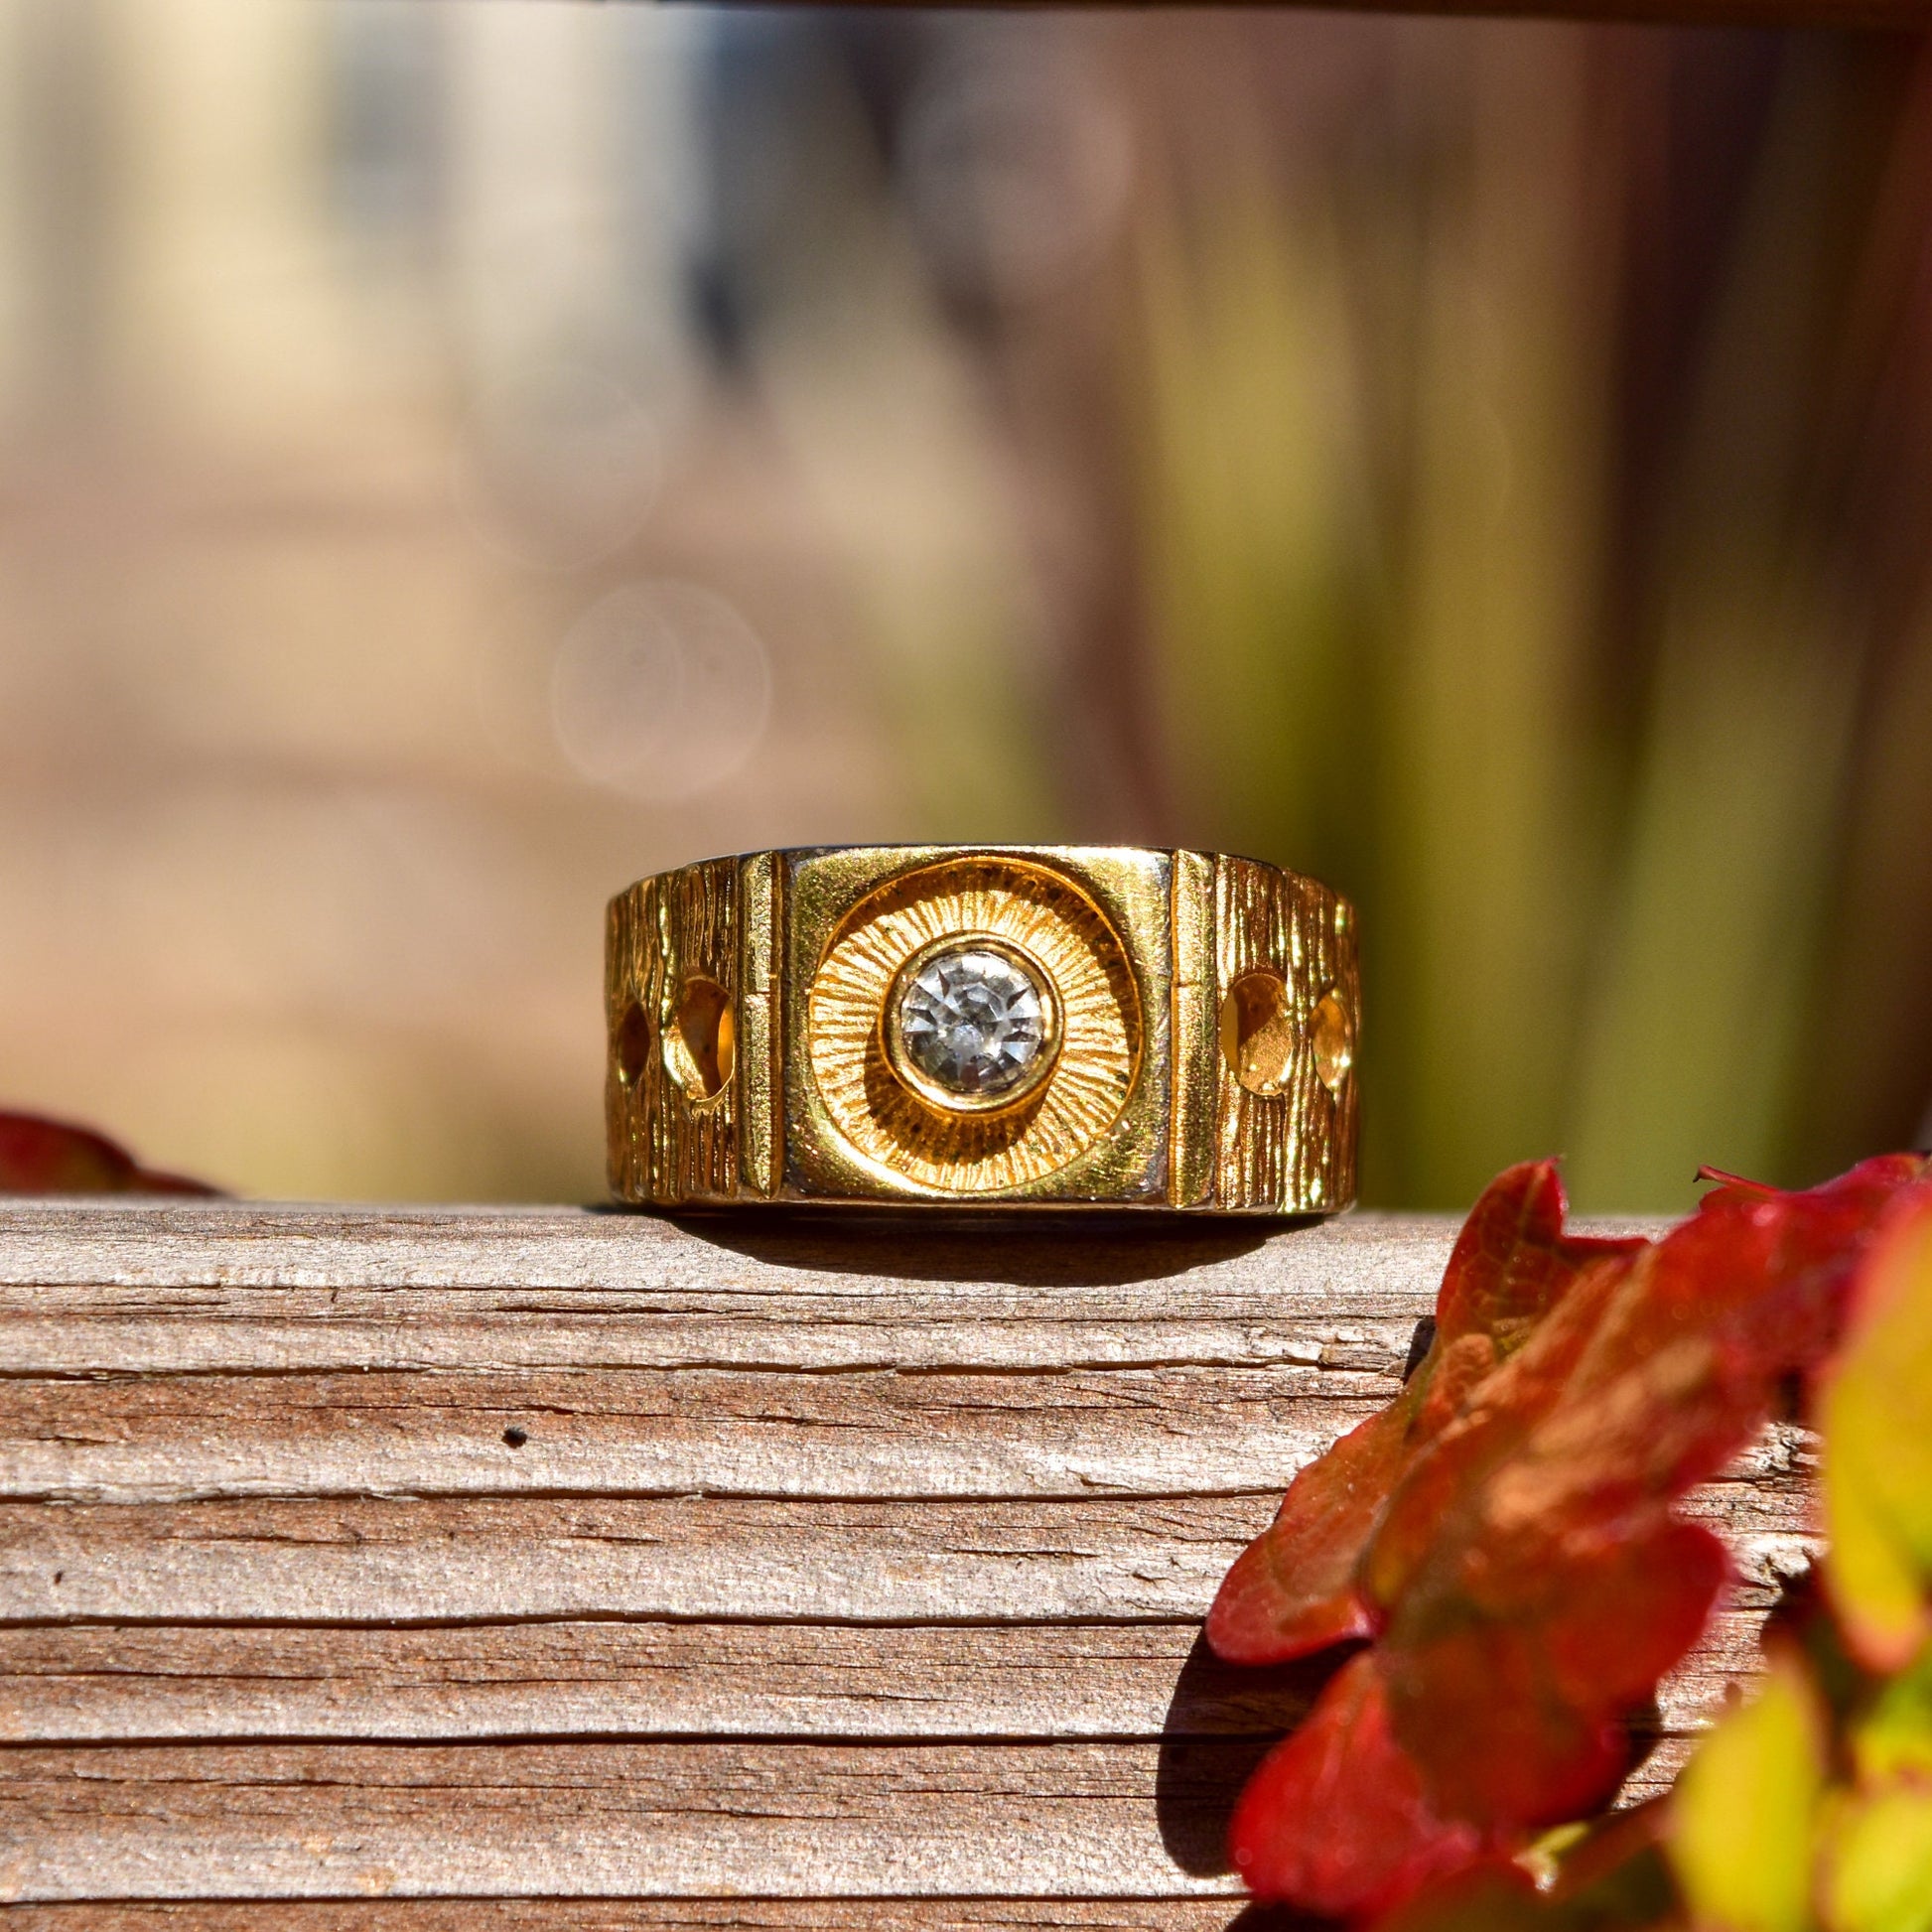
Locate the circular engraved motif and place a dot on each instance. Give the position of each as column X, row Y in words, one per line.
column 972, row 1025
column 998, row 1099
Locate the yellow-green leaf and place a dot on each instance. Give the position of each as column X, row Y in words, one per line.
column 1878, row 1868
column 1745, row 1810
column 1893, row 1740
column 1877, row 1416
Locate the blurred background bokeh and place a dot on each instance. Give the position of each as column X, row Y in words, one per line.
column 455, row 459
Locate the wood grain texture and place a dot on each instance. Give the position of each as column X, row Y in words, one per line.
column 106, row 1683
column 587, row 1556
column 614, row 1818
column 647, row 1915
column 656, row 1431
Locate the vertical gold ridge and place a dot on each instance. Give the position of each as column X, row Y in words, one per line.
column 1194, row 1049
column 1342, row 963
column 632, row 972
column 759, row 1120
column 617, row 1139
column 1250, row 1129
column 619, row 983
column 696, row 1142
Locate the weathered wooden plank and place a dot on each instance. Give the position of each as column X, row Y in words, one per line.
column 1354, row 1263
column 1208, row 1914
column 365, row 1560
column 670, row 1433
column 93, row 1683
column 1086, row 1820
column 71, row 1331
column 285, row 1290
column 1070, row 1433
column 821, row 1559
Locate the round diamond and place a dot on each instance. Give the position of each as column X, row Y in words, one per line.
column 972, row 1022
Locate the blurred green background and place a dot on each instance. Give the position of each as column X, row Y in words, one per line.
column 455, row 459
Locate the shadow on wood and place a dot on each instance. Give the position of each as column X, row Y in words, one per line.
column 1201, row 1771
column 1048, row 1249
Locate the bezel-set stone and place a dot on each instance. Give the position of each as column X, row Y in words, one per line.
column 972, row 1025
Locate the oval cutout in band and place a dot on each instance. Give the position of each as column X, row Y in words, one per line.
column 1258, row 1030
column 700, row 1043
column 630, row 1043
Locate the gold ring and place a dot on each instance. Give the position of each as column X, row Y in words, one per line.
column 983, row 1025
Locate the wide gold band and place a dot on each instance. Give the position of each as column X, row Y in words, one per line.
column 1172, row 1030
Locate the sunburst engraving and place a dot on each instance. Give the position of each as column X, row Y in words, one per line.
column 994, row 913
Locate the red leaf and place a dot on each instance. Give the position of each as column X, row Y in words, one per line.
column 1492, row 1895
column 1525, row 1573
column 1510, row 1694
column 1293, row 1590
column 44, row 1157
column 1540, row 1545
column 1616, row 1876
column 1378, row 1837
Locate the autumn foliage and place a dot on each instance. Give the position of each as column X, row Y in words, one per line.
column 49, row 1157
column 1506, row 1536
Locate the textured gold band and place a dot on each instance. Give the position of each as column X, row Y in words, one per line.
column 1037, row 1025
